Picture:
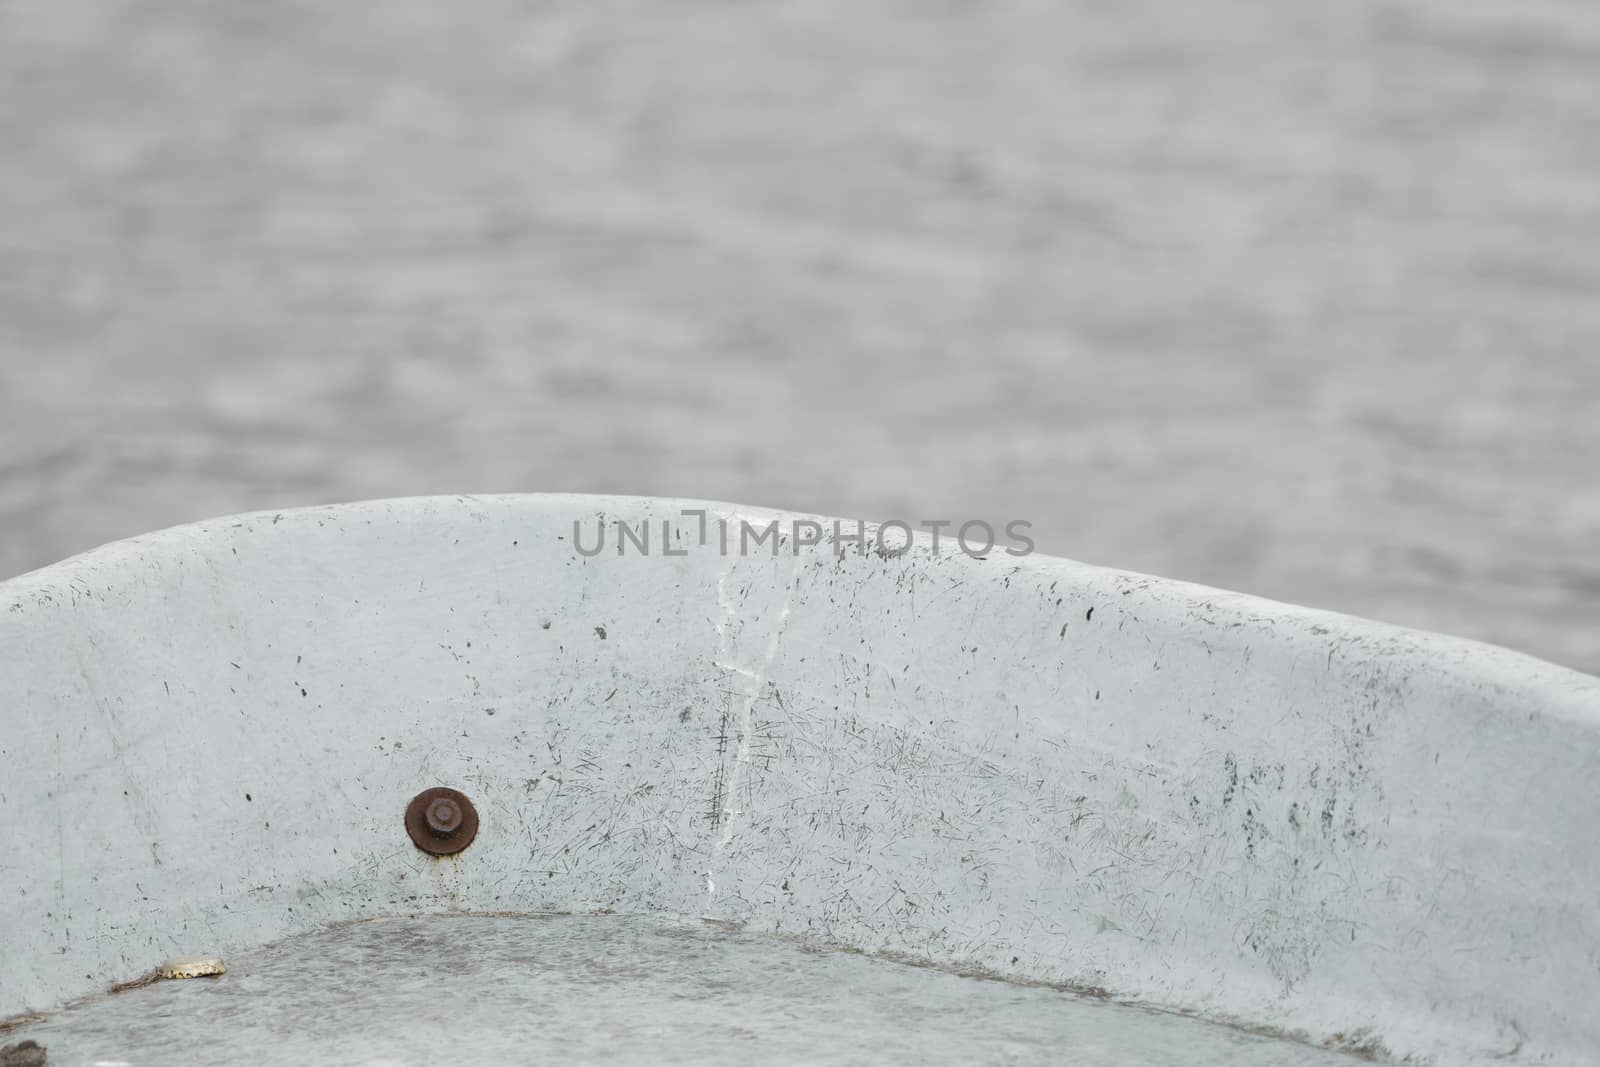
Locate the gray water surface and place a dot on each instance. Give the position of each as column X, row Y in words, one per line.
column 615, row 990
column 1298, row 299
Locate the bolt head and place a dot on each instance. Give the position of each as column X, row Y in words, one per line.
column 444, row 816
column 441, row 821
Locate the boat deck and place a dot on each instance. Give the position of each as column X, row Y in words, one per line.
column 616, row 990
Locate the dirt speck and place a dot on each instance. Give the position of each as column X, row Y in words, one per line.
column 23, row 1054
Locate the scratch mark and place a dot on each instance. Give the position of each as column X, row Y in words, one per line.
column 739, row 715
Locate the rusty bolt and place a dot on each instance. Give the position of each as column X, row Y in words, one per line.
column 441, row 821
column 443, row 817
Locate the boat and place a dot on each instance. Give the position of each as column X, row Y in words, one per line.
column 496, row 778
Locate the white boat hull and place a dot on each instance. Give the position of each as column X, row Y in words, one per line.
column 1026, row 766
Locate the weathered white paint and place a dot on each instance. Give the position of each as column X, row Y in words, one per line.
column 1188, row 797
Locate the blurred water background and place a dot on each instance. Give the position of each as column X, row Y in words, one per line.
column 1298, row 299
